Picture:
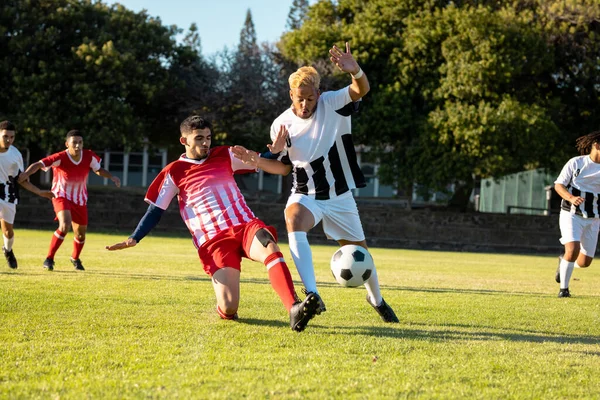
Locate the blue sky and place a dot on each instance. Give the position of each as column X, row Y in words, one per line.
column 219, row 21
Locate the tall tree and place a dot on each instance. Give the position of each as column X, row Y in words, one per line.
column 297, row 14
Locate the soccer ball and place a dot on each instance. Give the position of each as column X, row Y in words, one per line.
column 352, row 265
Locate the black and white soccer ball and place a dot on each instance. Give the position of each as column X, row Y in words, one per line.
column 352, row 265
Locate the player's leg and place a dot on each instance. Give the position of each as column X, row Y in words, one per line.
column 7, row 215
column 226, row 282
column 263, row 248
column 222, row 260
column 63, row 215
column 301, row 215
column 342, row 223
column 8, row 235
column 571, row 229
column 79, row 232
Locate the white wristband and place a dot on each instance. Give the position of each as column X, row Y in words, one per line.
column 359, row 74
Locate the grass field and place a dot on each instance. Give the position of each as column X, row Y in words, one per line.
column 140, row 323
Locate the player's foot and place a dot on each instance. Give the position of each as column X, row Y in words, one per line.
column 385, row 311
column 304, row 311
column 321, row 308
column 49, row 264
column 564, row 293
column 10, row 258
column 557, row 273
column 77, row 264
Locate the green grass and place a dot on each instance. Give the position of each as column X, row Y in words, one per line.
column 140, row 323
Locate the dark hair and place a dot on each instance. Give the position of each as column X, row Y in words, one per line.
column 584, row 143
column 193, row 123
column 7, row 126
column 74, row 132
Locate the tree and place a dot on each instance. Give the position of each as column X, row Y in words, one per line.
column 81, row 64
column 463, row 89
column 297, row 14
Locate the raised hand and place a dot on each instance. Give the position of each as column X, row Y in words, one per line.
column 344, row 60
column 247, row 156
column 130, row 242
column 280, row 140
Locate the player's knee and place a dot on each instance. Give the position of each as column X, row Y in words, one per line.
column 265, row 238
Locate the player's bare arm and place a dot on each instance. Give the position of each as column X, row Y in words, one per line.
column 130, row 242
column 105, row 174
column 279, row 142
column 565, row 194
column 32, row 169
column 346, row 63
column 254, row 159
column 36, row 190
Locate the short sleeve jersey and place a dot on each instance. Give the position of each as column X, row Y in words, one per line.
column 581, row 177
column 209, row 198
column 11, row 165
column 320, row 148
column 69, row 177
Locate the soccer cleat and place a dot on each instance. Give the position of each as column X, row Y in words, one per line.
column 49, row 264
column 304, row 311
column 77, row 264
column 321, row 307
column 10, row 258
column 557, row 273
column 385, row 311
column 564, row 293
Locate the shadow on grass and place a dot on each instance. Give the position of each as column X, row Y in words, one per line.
column 443, row 335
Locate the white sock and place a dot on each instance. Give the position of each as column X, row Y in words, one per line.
column 8, row 243
column 566, row 269
column 373, row 290
column 302, row 256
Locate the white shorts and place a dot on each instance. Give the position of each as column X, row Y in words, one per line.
column 339, row 215
column 575, row 228
column 8, row 211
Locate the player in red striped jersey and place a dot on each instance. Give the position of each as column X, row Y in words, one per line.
column 222, row 226
column 70, row 169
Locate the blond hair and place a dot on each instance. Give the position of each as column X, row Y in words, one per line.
column 305, row 76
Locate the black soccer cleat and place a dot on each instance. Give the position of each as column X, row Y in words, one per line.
column 49, row 264
column 321, row 308
column 564, row 293
column 385, row 311
column 557, row 273
column 304, row 311
column 10, row 258
column 77, row 264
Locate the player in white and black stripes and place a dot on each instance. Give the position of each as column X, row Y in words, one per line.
column 579, row 186
column 11, row 165
column 313, row 139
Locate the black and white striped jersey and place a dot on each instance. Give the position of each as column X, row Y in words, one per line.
column 581, row 177
column 11, row 165
column 320, row 148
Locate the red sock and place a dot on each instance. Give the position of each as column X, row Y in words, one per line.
column 281, row 279
column 226, row 316
column 77, row 247
column 57, row 239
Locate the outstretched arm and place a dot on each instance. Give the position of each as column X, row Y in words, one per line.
column 346, row 63
column 36, row 190
column 105, row 174
column 146, row 224
column 32, row 169
column 255, row 160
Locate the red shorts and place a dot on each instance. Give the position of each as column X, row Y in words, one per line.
column 79, row 214
column 229, row 246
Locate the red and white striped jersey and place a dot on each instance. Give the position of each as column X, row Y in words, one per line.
column 69, row 178
column 209, row 198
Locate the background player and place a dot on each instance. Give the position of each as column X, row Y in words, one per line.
column 223, row 228
column 579, row 186
column 70, row 169
column 11, row 165
column 316, row 132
